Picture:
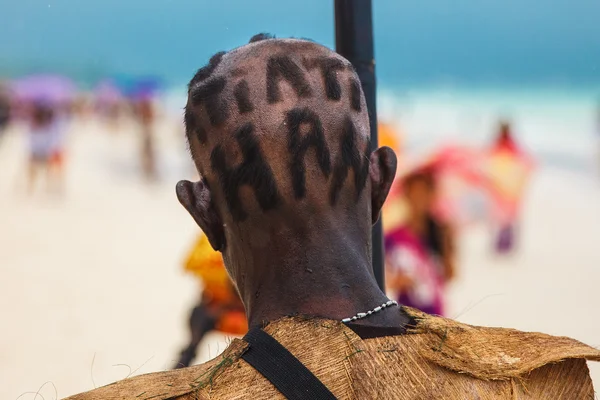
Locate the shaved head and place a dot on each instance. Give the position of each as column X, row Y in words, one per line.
column 279, row 132
column 293, row 107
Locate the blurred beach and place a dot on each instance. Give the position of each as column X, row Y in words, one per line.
column 93, row 286
column 92, row 283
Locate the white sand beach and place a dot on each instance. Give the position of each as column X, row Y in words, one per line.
column 92, row 289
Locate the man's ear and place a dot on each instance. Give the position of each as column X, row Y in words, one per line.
column 382, row 172
column 196, row 198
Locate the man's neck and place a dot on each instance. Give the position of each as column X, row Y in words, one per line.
column 332, row 279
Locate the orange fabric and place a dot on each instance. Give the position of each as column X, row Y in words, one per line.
column 207, row 265
column 233, row 322
column 388, row 136
column 394, row 212
column 394, row 208
column 509, row 173
column 56, row 158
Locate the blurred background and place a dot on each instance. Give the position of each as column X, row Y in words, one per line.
column 492, row 107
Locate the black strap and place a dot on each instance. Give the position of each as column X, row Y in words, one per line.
column 282, row 369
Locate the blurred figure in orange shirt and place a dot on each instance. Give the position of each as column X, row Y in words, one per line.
column 220, row 307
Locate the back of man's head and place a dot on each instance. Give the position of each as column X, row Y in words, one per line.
column 279, row 131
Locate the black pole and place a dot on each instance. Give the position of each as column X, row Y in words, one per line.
column 354, row 41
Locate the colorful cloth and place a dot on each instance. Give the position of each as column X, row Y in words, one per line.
column 207, row 265
column 508, row 170
column 406, row 255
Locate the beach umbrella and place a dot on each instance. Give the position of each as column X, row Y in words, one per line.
column 51, row 89
column 146, row 88
column 137, row 88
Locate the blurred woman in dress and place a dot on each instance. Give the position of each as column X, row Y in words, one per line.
column 420, row 252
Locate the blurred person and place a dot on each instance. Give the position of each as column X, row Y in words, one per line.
column 146, row 116
column 58, row 161
column 109, row 113
column 108, row 103
column 509, row 169
column 46, row 146
column 420, row 253
column 82, row 107
column 5, row 110
column 220, row 307
column 289, row 191
column 598, row 133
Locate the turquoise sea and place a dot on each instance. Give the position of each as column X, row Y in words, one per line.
column 465, row 42
column 447, row 70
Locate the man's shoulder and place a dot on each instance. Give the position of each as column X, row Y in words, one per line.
column 490, row 353
column 436, row 357
column 442, row 358
column 185, row 383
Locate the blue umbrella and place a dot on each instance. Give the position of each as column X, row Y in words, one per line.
column 138, row 88
column 147, row 88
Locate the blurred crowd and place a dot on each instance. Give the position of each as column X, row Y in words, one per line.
column 45, row 104
column 434, row 196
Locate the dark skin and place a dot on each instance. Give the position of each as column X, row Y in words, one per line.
column 304, row 257
column 340, row 282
